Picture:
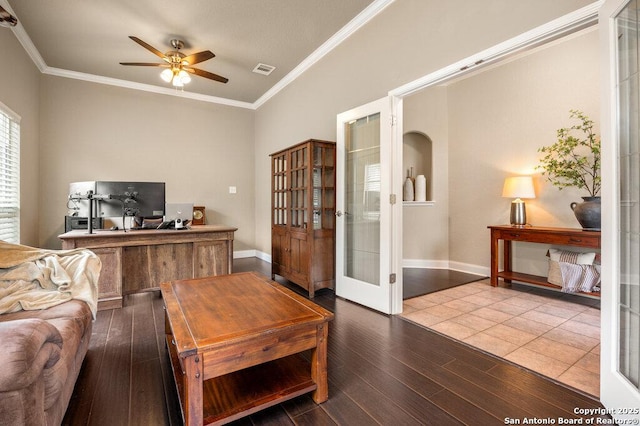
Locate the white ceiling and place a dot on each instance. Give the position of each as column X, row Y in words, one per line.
column 87, row 39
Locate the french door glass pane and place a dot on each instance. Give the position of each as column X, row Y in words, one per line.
column 629, row 185
column 362, row 199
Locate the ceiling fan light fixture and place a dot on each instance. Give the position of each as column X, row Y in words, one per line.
column 166, row 75
column 184, row 77
column 177, row 65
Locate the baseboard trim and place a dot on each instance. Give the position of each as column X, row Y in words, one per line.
column 263, row 256
column 425, row 264
column 447, row 264
column 242, row 254
column 469, row 268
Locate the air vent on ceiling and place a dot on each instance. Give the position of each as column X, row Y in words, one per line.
column 264, row 69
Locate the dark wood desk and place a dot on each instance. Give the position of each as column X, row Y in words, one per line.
column 235, row 343
column 534, row 234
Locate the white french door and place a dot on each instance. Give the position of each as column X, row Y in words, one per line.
column 363, row 206
column 620, row 304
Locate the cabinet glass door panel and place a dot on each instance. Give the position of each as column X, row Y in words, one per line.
column 299, row 217
column 279, row 176
column 317, row 193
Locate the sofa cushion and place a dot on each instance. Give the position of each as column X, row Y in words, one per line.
column 75, row 309
column 28, row 347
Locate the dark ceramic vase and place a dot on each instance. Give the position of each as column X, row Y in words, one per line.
column 588, row 213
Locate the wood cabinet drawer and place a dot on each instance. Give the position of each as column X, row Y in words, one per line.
column 581, row 239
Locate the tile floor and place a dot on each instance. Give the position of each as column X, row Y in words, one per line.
column 554, row 337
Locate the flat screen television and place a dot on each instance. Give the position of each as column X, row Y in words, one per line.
column 117, row 199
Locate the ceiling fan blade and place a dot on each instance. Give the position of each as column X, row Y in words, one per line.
column 148, row 47
column 207, row 74
column 198, row 57
column 145, row 64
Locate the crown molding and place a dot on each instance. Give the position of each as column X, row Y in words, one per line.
column 24, row 39
column 58, row 72
column 354, row 25
column 351, row 27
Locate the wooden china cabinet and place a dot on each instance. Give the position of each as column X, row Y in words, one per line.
column 303, row 204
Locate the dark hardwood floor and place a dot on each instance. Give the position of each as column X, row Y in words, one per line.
column 419, row 281
column 382, row 370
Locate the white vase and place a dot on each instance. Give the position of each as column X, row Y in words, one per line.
column 408, row 190
column 421, row 188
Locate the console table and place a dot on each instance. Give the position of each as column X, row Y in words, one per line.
column 141, row 260
column 534, row 234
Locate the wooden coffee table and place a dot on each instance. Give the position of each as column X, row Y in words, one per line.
column 236, row 344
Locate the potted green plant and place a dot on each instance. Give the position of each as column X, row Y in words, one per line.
column 574, row 161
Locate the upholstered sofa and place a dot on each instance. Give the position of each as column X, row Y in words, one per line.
column 48, row 301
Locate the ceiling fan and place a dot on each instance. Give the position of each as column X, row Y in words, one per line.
column 178, row 65
column 7, row 19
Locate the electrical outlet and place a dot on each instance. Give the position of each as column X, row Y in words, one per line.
column 232, row 190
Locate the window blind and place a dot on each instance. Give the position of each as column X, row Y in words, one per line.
column 9, row 175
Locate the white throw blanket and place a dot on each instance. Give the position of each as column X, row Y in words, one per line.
column 32, row 278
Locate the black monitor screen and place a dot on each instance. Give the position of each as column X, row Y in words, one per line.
column 115, row 199
column 144, row 199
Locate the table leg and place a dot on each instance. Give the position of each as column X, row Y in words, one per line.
column 319, row 365
column 494, row 258
column 506, row 260
column 193, row 402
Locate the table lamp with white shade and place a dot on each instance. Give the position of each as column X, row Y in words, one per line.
column 518, row 187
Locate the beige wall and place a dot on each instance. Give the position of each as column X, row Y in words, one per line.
column 20, row 91
column 497, row 122
column 425, row 235
column 98, row 132
column 409, row 39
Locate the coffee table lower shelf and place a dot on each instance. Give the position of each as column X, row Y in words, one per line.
column 241, row 393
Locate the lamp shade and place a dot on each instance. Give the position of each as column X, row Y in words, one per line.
column 518, row 187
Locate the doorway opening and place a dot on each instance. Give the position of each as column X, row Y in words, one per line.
column 490, row 124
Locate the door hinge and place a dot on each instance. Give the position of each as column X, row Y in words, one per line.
column 392, row 198
column 393, row 119
column 392, row 278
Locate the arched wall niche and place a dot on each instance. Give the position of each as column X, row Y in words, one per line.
column 417, row 158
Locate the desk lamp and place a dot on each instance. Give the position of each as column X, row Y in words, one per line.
column 518, row 187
